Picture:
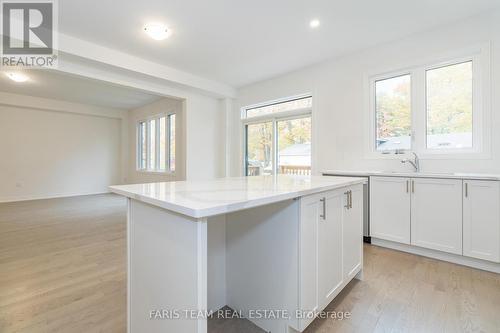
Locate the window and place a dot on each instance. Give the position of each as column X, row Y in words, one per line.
column 156, row 144
column 171, row 149
column 432, row 110
column 142, row 145
column 278, row 137
column 393, row 113
column 449, row 106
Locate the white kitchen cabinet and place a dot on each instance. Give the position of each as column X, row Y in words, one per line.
column 309, row 220
column 330, row 246
column 390, row 208
column 436, row 214
column 481, row 219
column 425, row 212
column 331, row 240
column 352, row 227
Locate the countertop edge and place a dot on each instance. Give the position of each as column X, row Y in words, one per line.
column 233, row 207
column 457, row 175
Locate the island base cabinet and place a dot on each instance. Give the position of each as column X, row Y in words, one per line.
column 289, row 257
column 481, row 220
column 309, row 261
column 157, row 241
column 331, row 240
column 330, row 247
column 352, row 228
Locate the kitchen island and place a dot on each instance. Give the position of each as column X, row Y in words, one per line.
column 277, row 249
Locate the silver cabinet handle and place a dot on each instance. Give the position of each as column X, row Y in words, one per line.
column 347, row 199
column 412, row 186
column 466, row 190
column 350, row 199
column 323, row 216
column 407, row 186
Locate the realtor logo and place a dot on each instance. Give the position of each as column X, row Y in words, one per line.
column 28, row 33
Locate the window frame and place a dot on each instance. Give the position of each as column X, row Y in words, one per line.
column 479, row 56
column 274, row 118
column 476, row 111
column 147, row 120
column 373, row 107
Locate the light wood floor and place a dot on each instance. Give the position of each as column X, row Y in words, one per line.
column 62, row 269
column 62, row 265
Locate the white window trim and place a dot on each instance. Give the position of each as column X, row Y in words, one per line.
column 274, row 118
column 156, row 170
column 480, row 57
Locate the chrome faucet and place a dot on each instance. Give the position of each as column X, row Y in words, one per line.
column 415, row 162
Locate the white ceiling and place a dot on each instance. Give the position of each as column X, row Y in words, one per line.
column 57, row 85
column 240, row 42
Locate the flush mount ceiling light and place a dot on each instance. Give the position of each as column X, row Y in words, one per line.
column 314, row 23
column 157, row 31
column 17, row 77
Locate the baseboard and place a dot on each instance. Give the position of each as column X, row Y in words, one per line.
column 42, row 197
column 453, row 258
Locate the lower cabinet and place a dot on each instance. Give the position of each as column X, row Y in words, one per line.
column 481, row 220
column 330, row 276
column 331, row 240
column 308, row 257
column 450, row 215
column 390, row 208
column 436, row 214
column 352, row 228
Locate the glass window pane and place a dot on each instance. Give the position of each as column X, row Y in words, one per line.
column 259, row 149
column 152, row 144
column 280, row 107
column 449, row 106
column 142, row 145
column 171, row 156
column 163, row 143
column 294, row 146
column 393, row 113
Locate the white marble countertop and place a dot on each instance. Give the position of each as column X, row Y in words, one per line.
column 225, row 195
column 457, row 175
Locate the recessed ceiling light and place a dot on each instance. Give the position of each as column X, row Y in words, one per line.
column 157, row 31
column 314, row 23
column 17, row 77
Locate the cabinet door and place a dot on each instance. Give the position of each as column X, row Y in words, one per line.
column 481, row 223
column 352, row 230
column 436, row 214
column 309, row 219
column 390, row 209
column 330, row 246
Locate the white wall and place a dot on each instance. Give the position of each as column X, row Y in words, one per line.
column 205, row 137
column 339, row 92
column 52, row 148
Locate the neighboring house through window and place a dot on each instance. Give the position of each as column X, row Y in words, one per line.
column 277, row 137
